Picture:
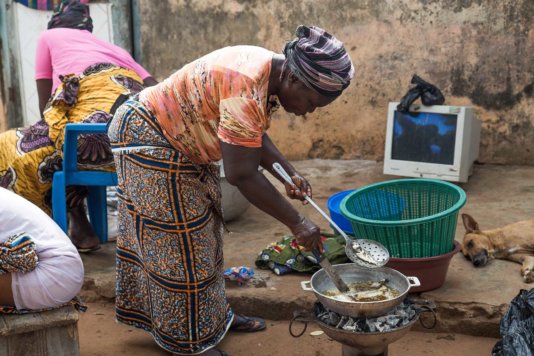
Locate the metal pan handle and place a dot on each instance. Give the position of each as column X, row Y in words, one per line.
column 306, row 285
column 413, row 281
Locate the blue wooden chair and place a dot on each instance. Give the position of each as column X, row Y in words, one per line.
column 96, row 181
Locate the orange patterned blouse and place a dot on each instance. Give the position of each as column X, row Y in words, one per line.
column 221, row 96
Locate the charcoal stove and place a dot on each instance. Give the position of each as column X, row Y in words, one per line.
column 364, row 336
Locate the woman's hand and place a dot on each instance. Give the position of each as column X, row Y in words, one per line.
column 299, row 189
column 307, row 234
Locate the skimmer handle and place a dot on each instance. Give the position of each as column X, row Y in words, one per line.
column 354, row 245
column 281, row 171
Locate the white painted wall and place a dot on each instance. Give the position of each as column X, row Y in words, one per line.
column 29, row 24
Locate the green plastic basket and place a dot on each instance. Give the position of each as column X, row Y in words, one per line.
column 410, row 217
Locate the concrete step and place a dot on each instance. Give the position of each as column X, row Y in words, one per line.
column 277, row 298
column 53, row 332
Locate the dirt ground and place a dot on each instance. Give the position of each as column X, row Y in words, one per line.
column 471, row 302
column 100, row 335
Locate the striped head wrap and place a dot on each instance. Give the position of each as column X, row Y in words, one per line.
column 71, row 14
column 319, row 60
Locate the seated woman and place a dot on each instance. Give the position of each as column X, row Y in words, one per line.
column 26, row 282
column 165, row 142
column 88, row 78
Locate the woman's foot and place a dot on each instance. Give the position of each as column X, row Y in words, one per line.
column 80, row 230
column 247, row 323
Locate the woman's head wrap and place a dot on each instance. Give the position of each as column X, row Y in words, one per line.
column 71, row 14
column 319, row 60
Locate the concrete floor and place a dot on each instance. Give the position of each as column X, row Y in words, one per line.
column 472, row 300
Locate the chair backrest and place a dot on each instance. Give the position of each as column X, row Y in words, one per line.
column 70, row 145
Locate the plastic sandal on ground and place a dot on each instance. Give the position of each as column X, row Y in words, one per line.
column 244, row 323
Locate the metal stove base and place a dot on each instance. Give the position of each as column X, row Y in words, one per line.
column 347, row 350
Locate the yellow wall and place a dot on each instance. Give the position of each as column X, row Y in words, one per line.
column 480, row 53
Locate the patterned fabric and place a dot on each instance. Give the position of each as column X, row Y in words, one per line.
column 286, row 255
column 319, row 60
column 71, row 14
column 46, row 5
column 30, row 156
column 76, row 302
column 221, row 96
column 18, row 254
column 169, row 247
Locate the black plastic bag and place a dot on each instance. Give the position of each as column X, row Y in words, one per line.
column 408, row 99
column 517, row 327
column 430, row 94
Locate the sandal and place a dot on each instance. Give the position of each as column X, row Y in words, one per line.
column 247, row 324
column 87, row 250
column 220, row 352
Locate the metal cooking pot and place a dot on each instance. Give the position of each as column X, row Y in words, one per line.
column 352, row 273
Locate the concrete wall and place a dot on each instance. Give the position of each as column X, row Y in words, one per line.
column 9, row 83
column 3, row 122
column 121, row 21
column 478, row 52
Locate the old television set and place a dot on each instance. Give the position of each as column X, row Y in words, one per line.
column 440, row 142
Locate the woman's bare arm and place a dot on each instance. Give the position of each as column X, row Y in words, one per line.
column 149, row 81
column 241, row 170
column 44, row 90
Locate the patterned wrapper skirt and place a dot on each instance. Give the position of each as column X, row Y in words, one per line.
column 169, row 248
column 29, row 156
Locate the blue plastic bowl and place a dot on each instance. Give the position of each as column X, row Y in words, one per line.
column 334, row 203
column 378, row 205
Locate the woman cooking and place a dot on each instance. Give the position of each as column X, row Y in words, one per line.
column 165, row 142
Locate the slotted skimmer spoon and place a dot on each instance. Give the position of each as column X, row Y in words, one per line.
column 366, row 253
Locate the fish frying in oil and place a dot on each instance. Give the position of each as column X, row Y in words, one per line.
column 370, row 291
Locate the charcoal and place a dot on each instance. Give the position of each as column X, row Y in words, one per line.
column 393, row 320
column 380, row 327
column 349, row 323
column 411, row 314
column 334, row 318
column 403, row 314
column 342, row 321
column 371, row 325
column 361, row 325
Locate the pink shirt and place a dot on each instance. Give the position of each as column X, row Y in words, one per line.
column 62, row 51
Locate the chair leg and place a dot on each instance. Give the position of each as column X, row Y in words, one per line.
column 96, row 202
column 59, row 200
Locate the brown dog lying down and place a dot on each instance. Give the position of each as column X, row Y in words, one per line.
column 514, row 242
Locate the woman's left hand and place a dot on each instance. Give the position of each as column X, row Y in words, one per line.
column 300, row 189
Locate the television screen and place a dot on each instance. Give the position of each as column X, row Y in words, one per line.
column 424, row 137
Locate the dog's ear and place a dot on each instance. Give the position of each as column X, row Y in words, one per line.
column 470, row 224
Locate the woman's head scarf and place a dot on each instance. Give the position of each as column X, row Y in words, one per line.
column 71, row 14
column 319, row 60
